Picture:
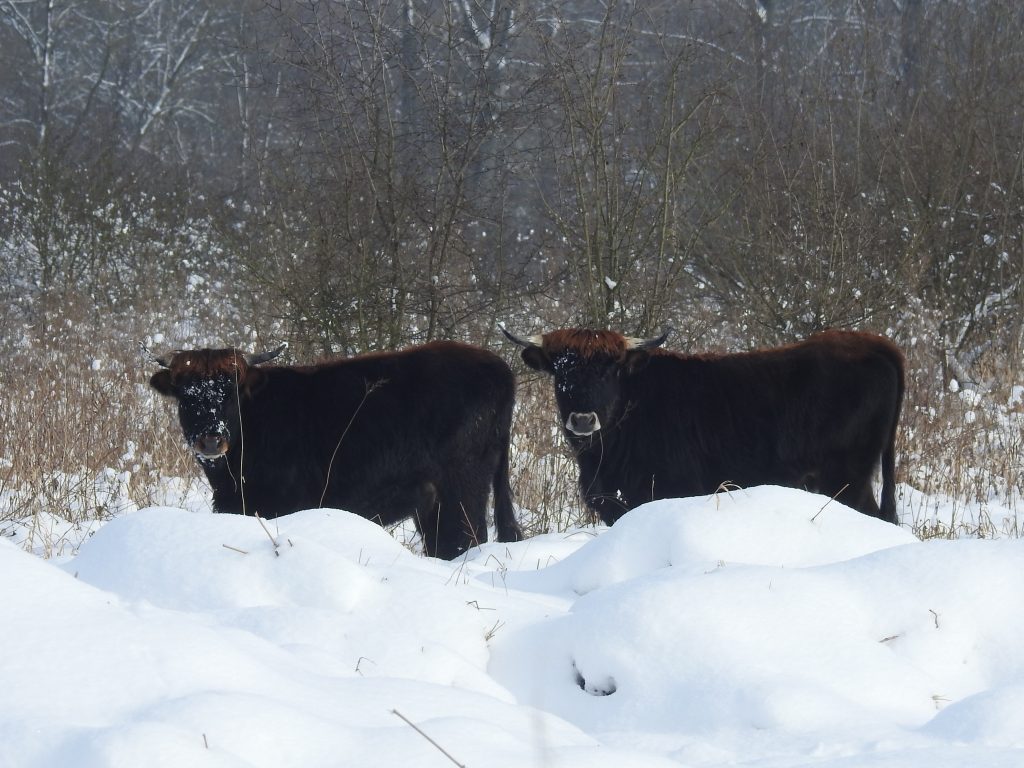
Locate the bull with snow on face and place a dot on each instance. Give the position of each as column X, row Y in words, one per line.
column 646, row 423
column 421, row 433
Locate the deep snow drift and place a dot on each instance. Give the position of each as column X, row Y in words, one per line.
column 765, row 627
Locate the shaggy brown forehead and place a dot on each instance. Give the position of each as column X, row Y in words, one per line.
column 207, row 363
column 585, row 343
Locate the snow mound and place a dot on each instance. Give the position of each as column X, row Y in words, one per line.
column 767, row 525
column 766, row 627
column 772, row 611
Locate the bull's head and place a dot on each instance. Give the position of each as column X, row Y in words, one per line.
column 589, row 368
column 208, row 385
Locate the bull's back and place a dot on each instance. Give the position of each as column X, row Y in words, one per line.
column 767, row 416
column 366, row 425
column 390, row 407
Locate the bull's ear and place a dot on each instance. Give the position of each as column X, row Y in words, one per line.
column 161, row 382
column 537, row 358
column 637, row 359
column 638, row 351
column 255, row 380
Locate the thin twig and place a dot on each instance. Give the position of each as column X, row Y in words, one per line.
column 233, row 549
column 489, row 635
column 269, row 534
column 829, row 502
column 437, row 746
column 241, row 440
column 330, row 465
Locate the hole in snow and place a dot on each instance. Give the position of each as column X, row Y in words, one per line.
column 596, row 686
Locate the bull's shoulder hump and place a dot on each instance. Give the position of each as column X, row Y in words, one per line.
column 432, row 354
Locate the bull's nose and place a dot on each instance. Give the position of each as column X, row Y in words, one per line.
column 583, row 423
column 211, row 446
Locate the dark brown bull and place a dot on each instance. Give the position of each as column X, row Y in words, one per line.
column 421, row 433
column 646, row 423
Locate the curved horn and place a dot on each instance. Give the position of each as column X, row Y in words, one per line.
column 657, row 341
column 163, row 362
column 265, row 356
column 531, row 341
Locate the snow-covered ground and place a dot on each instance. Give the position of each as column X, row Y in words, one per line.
column 764, row 627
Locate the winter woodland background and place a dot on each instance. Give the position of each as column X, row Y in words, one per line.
column 352, row 176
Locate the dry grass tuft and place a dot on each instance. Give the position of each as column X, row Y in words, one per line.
column 84, row 439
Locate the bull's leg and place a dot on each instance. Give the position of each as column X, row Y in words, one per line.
column 457, row 532
column 856, row 493
column 449, row 524
column 462, row 516
column 863, row 499
column 426, row 516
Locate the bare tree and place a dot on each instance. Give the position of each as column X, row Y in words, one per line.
column 396, row 113
column 627, row 142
